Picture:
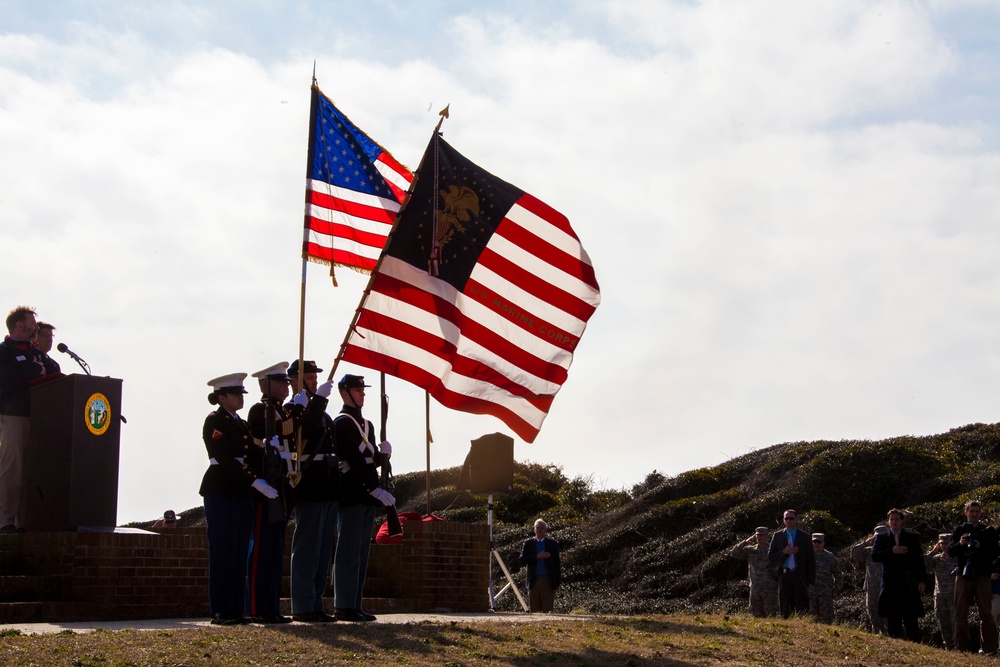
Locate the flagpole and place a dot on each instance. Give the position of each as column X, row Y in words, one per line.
column 432, row 268
column 295, row 474
column 388, row 239
column 427, row 441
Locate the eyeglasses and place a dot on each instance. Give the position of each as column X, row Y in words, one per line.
column 791, row 518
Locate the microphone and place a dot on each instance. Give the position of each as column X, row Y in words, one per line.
column 65, row 350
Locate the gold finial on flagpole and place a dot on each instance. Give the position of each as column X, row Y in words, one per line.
column 444, row 114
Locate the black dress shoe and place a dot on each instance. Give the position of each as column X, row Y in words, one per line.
column 370, row 617
column 9, row 528
column 313, row 617
column 352, row 616
column 222, row 619
column 277, row 619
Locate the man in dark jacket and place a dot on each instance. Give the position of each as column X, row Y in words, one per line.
column 975, row 546
column 903, row 577
column 540, row 554
column 792, row 558
column 21, row 365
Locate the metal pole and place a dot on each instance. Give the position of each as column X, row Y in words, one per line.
column 427, row 441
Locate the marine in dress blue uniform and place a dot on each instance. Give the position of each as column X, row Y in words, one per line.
column 228, row 488
column 267, row 460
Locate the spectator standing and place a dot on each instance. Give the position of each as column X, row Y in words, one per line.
column 903, row 578
column 861, row 553
column 943, row 566
column 974, row 545
column 540, row 556
column 828, row 580
column 791, row 556
column 763, row 586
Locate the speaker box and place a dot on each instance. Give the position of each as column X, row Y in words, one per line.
column 489, row 466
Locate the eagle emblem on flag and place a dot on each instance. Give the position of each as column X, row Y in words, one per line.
column 461, row 204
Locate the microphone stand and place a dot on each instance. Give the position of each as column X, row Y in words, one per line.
column 83, row 364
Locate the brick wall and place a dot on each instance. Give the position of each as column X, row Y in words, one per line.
column 106, row 576
column 439, row 566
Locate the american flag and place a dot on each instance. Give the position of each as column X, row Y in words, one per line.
column 354, row 188
column 493, row 332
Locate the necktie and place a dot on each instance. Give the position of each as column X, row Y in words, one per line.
column 791, row 543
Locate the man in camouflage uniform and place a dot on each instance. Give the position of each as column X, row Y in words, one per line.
column 828, row 581
column 861, row 553
column 943, row 566
column 763, row 585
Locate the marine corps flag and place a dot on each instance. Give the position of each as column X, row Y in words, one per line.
column 480, row 296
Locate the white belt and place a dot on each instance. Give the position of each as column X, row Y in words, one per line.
column 215, row 463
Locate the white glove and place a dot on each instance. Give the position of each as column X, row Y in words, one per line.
column 344, row 466
column 384, row 497
column 325, row 389
column 301, row 398
column 385, row 448
column 266, row 489
column 274, row 442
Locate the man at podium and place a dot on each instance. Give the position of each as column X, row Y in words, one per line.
column 21, row 364
column 44, row 337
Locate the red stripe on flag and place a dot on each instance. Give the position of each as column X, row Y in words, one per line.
column 355, row 209
column 337, row 256
column 446, row 351
column 535, row 245
column 450, row 399
column 497, row 344
column 547, row 213
column 346, row 232
column 403, row 172
column 536, row 285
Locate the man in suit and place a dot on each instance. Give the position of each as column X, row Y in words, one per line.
column 541, row 556
column 903, row 577
column 791, row 556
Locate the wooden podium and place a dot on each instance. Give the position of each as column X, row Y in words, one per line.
column 71, row 464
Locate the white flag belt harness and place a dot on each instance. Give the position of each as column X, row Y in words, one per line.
column 366, row 447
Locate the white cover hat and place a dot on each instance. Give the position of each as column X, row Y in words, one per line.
column 228, row 381
column 279, row 370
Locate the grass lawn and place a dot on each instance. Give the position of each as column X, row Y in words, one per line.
column 629, row 641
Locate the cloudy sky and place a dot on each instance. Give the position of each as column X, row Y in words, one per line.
column 793, row 208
